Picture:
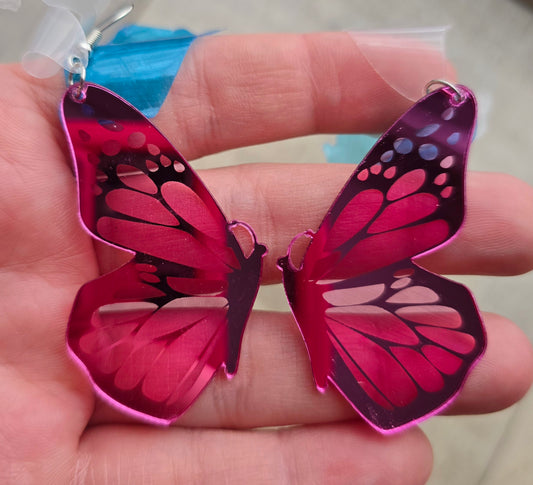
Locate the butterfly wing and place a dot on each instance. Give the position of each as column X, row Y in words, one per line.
column 152, row 333
column 406, row 198
column 403, row 340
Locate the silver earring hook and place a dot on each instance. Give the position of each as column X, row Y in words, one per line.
column 78, row 70
column 95, row 35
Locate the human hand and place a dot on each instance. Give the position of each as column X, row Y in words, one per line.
column 230, row 92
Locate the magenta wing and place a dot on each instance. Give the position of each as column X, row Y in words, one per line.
column 152, row 333
column 396, row 340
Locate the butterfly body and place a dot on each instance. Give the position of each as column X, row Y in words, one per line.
column 306, row 303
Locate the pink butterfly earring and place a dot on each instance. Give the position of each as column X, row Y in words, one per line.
column 396, row 340
column 152, row 333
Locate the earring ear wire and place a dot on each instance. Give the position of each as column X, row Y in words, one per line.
column 60, row 40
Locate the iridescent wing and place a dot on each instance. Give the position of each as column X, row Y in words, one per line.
column 396, row 340
column 152, row 333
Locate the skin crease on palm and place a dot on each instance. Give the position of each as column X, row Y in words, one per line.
column 231, row 91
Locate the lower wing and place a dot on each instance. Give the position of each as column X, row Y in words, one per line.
column 402, row 342
column 147, row 353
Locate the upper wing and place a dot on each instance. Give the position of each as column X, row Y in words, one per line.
column 136, row 191
column 152, row 333
column 406, row 197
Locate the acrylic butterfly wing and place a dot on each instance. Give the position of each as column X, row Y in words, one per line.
column 395, row 339
column 152, row 333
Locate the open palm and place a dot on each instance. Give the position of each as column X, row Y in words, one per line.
column 230, row 92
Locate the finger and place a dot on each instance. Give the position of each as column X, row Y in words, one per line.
column 274, row 385
column 503, row 375
column 239, row 90
column 233, row 91
column 497, row 236
column 280, row 201
column 355, row 454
